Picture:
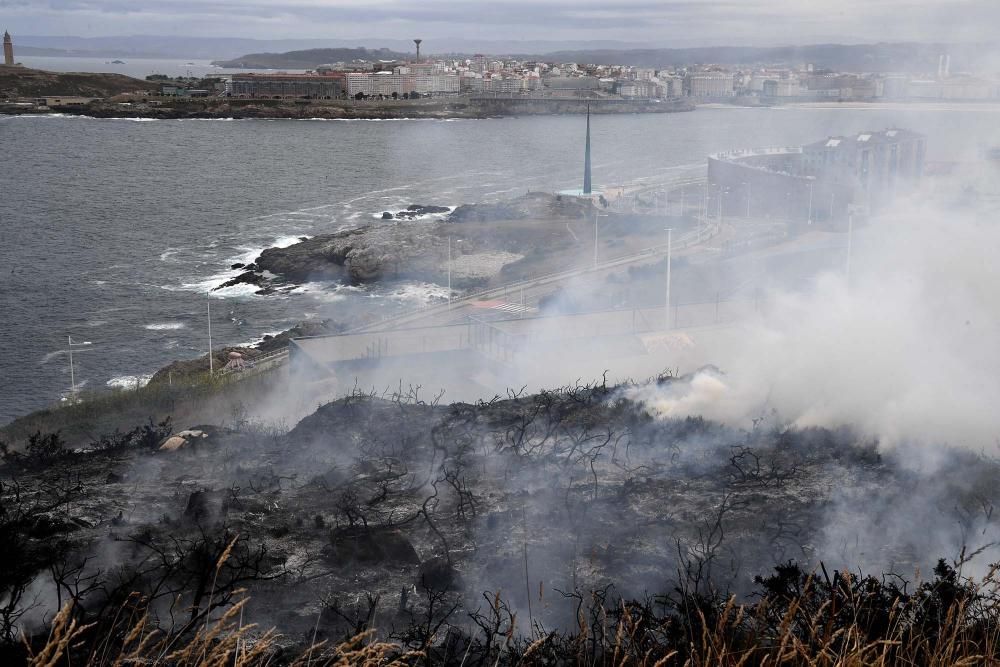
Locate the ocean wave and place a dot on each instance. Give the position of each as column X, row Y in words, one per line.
column 416, row 218
column 247, row 255
column 130, row 382
column 51, row 115
column 257, row 341
column 50, row 356
column 164, row 326
column 423, row 293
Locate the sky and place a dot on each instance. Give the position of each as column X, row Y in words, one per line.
column 661, row 23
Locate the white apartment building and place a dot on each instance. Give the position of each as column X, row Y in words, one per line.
column 710, row 84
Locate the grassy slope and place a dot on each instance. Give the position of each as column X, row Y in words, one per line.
column 25, row 82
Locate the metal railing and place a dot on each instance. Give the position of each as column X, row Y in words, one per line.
column 259, row 363
column 699, row 235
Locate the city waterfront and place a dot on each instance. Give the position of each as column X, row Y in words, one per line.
column 116, row 231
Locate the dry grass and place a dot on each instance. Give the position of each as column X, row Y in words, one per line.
column 742, row 635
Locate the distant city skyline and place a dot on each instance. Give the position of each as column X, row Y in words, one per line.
column 643, row 22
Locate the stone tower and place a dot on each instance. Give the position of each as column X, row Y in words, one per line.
column 8, row 50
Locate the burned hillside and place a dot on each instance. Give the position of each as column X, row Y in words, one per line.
column 397, row 512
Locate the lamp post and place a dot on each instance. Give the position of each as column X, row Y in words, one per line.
column 596, row 227
column 72, row 372
column 211, row 359
column 809, row 219
column 850, row 242
column 670, row 249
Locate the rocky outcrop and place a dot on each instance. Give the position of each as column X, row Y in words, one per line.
column 419, row 251
column 360, row 256
column 533, row 205
column 414, row 211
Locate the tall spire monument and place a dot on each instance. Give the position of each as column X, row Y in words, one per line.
column 8, row 50
column 586, row 159
column 587, row 191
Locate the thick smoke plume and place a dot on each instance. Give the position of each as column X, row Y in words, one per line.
column 900, row 343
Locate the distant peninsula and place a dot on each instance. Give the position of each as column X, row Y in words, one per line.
column 30, row 91
column 307, row 59
column 24, row 82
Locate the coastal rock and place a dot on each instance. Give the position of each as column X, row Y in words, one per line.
column 249, row 277
column 533, row 205
column 360, row 256
column 418, row 210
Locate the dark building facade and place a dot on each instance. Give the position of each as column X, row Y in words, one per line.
column 313, row 86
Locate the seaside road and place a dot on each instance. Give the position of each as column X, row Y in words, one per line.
column 523, row 296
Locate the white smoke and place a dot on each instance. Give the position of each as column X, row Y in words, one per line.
column 906, row 350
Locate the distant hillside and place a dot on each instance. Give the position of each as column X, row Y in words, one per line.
column 309, row 58
column 24, row 82
column 901, row 57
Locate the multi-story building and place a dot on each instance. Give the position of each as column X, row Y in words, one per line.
column 640, row 89
column 400, row 82
column 958, row 88
column 781, row 88
column 823, row 182
column 710, row 84
column 313, row 86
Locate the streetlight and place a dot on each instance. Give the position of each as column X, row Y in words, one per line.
column 211, row 359
column 72, row 373
column 596, row 216
column 850, row 240
column 809, row 220
column 670, row 248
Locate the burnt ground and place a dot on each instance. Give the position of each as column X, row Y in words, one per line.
column 398, row 513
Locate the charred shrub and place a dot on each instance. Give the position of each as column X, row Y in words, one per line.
column 41, row 450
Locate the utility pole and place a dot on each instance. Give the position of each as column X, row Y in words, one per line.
column 749, row 186
column 850, row 240
column 670, row 248
column 72, row 372
column 449, row 273
column 211, row 360
column 72, row 376
column 809, row 220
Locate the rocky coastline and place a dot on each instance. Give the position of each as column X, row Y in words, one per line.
column 391, row 250
column 226, row 108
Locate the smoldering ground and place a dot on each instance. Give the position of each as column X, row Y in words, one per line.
column 847, row 423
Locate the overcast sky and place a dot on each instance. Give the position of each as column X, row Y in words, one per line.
column 658, row 22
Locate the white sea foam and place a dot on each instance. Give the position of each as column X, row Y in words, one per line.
column 129, row 381
column 426, row 216
column 327, row 292
column 248, row 255
column 257, row 341
column 164, row 326
column 50, row 356
column 418, row 292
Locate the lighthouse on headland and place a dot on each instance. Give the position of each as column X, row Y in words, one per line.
column 8, row 50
